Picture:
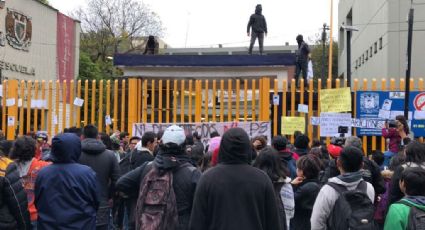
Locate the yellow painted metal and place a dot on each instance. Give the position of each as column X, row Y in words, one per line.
column 292, row 105
column 245, row 101
column 260, row 100
column 21, row 109
column 275, row 107
column 43, row 109
column 64, row 102
column 139, row 100
column 221, row 100
column 116, row 114
column 50, row 109
column 123, row 90
column 78, row 121
column 328, row 86
column 355, row 87
column 3, row 123
column 207, row 112
column 93, row 103
column 189, row 109
column 35, row 124
column 86, row 102
column 160, row 101
column 152, row 101
column 182, row 104
column 145, row 101
column 132, row 104
column 167, row 115
column 198, row 98
column 71, row 104
column 319, row 88
column 175, row 100
column 12, row 111
column 100, row 116
column 29, row 98
column 229, row 100
column 254, row 98
column 56, row 114
column 310, row 109
column 108, row 104
column 238, row 98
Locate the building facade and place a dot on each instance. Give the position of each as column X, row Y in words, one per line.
column 379, row 48
column 37, row 42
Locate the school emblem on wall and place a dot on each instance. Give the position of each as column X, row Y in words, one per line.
column 18, row 30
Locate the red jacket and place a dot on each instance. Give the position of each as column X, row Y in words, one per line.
column 395, row 139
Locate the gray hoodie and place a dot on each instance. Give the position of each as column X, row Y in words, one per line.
column 326, row 200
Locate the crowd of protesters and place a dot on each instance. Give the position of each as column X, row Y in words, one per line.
column 83, row 179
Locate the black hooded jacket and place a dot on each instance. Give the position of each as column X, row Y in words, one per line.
column 65, row 191
column 13, row 200
column 185, row 179
column 95, row 155
column 234, row 195
column 257, row 21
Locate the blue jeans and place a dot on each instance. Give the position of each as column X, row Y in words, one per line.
column 387, row 158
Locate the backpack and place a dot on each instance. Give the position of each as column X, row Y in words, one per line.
column 383, row 203
column 156, row 207
column 416, row 219
column 352, row 210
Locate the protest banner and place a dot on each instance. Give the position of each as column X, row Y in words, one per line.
column 329, row 123
column 253, row 129
column 335, row 100
column 292, row 124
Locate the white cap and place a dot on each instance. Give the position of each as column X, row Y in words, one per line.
column 174, row 134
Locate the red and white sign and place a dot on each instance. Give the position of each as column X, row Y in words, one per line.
column 419, row 102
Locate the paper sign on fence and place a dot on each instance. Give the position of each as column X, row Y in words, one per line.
column 335, row 100
column 329, row 123
column 276, row 99
column 78, row 102
column 292, row 124
column 10, row 121
column 108, row 120
column 302, row 108
column 55, row 120
column 384, row 114
column 315, row 121
column 10, row 102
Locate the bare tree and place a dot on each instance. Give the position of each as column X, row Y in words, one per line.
column 108, row 24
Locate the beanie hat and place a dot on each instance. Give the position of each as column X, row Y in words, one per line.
column 174, row 134
column 334, row 150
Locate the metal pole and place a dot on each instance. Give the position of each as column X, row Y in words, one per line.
column 330, row 43
column 323, row 51
column 349, row 58
column 409, row 63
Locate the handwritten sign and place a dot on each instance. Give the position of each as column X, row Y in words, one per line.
column 335, row 100
column 292, row 124
column 253, row 129
column 302, row 108
column 329, row 123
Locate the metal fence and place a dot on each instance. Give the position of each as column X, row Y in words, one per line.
column 31, row 106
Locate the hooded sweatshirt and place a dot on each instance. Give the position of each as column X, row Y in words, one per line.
column 234, row 195
column 105, row 165
column 327, row 197
column 65, row 191
column 398, row 215
column 257, row 21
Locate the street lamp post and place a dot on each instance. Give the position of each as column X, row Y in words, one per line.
column 349, row 30
column 325, row 27
column 409, row 61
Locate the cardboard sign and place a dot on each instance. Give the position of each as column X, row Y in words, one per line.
column 292, row 124
column 335, row 100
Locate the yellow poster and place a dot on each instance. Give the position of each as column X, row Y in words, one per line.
column 335, row 100
column 292, row 124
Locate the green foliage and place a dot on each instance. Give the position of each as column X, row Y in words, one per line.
column 88, row 70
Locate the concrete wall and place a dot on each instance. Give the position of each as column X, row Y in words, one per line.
column 381, row 20
column 42, row 53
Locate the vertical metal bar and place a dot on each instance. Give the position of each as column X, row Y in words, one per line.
column 221, row 100
column 108, row 104
column 153, row 102
column 64, row 90
column 43, row 109
column 29, row 98
column 123, row 89
column 116, row 114
column 21, row 110
column 93, row 102
column 100, row 112
column 50, row 109
column 160, row 101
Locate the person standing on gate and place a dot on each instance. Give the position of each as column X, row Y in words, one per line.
column 258, row 24
column 301, row 61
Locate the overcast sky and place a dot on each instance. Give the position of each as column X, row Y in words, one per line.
column 207, row 23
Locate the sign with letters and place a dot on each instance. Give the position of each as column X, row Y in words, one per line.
column 253, row 129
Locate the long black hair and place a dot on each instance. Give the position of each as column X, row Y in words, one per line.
column 268, row 161
column 415, row 152
column 403, row 121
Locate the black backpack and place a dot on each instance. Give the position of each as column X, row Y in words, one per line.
column 416, row 218
column 352, row 210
